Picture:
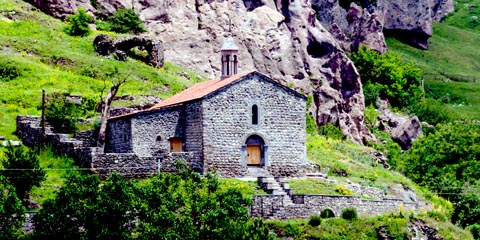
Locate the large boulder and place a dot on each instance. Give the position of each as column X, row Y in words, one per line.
column 404, row 130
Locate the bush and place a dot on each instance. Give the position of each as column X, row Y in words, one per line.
column 314, row 220
column 78, row 23
column 343, row 190
column 349, row 213
column 475, row 230
column 388, row 77
column 22, row 158
column 11, row 211
column 8, row 71
column 327, row 213
column 61, row 113
column 123, row 21
column 330, row 130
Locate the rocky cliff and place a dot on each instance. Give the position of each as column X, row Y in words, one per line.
column 408, row 20
column 281, row 38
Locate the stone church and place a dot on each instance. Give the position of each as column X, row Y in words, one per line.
column 242, row 121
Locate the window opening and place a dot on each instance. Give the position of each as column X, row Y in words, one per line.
column 254, row 114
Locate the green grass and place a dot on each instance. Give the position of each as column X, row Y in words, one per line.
column 453, row 55
column 57, row 168
column 49, row 59
column 248, row 188
column 395, row 225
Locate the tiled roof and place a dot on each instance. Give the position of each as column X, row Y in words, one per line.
column 198, row 91
column 201, row 90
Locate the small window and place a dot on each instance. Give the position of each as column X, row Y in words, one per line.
column 176, row 145
column 254, row 114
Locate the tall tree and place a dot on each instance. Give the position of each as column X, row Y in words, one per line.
column 11, row 211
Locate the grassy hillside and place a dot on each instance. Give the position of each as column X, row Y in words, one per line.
column 36, row 54
column 39, row 55
column 451, row 65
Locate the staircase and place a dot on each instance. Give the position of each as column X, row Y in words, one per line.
column 278, row 187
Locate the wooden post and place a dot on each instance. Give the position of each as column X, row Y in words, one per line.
column 43, row 117
column 423, row 88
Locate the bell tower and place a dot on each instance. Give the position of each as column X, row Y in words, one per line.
column 229, row 57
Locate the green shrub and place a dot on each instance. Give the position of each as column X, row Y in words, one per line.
column 8, row 71
column 327, row 213
column 18, row 157
column 475, row 230
column 432, row 111
column 122, row 21
column 314, row 220
column 343, row 190
column 330, row 130
column 11, row 211
column 388, row 77
column 349, row 213
column 78, row 23
column 61, row 113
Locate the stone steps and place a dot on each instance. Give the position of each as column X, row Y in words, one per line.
column 274, row 187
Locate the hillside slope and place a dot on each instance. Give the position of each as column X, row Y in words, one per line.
column 36, row 54
column 452, row 62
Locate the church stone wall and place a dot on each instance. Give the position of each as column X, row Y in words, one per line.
column 193, row 132
column 227, row 124
column 152, row 130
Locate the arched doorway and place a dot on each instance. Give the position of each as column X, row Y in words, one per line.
column 255, row 151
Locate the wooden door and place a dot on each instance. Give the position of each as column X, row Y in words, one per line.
column 175, row 145
column 254, row 155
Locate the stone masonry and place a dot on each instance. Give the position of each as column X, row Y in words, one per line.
column 275, row 207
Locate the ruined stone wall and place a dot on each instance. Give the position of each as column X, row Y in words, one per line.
column 273, row 207
column 30, row 131
column 152, row 130
column 227, row 125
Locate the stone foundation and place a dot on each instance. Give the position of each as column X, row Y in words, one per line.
column 274, row 207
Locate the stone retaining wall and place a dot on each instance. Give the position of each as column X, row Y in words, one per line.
column 273, row 206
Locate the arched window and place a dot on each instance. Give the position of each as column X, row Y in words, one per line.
column 228, row 65
column 234, row 64
column 254, row 114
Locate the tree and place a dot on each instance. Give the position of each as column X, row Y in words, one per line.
column 191, row 207
column 78, row 23
column 123, row 21
column 22, row 169
column 86, row 209
column 388, row 77
column 167, row 206
column 105, row 104
column 12, row 211
column 446, row 161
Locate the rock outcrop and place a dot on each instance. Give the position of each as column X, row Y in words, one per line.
column 351, row 28
column 404, row 130
column 105, row 46
column 282, row 39
column 409, row 20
